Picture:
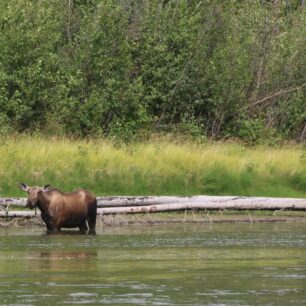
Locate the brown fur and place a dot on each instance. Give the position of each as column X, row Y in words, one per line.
column 63, row 210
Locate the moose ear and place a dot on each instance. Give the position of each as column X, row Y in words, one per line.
column 23, row 187
column 46, row 187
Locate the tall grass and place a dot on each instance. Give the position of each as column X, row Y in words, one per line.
column 158, row 167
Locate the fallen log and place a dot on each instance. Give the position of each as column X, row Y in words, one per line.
column 208, row 202
column 190, row 203
column 5, row 202
column 214, row 203
column 123, row 201
column 17, row 214
column 115, row 201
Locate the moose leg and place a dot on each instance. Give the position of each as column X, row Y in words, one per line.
column 49, row 227
column 48, row 221
column 53, row 229
column 83, row 227
column 92, row 216
column 56, row 224
column 91, row 220
column 56, row 230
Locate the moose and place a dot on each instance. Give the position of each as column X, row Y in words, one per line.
column 63, row 210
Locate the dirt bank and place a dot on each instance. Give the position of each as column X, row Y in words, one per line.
column 176, row 217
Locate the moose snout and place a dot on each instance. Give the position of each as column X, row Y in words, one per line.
column 29, row 204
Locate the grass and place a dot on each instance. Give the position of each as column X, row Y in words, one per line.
column 157, row 167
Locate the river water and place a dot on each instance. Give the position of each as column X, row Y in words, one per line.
column 221, row 264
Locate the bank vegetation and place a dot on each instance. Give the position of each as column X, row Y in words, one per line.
column 124, row 69
column 160, row 166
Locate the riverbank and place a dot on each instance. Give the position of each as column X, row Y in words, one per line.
column 185, row 217
column 160, row 166
column 203, row 217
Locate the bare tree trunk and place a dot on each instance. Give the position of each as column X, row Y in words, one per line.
column 303, row 135
column 263, row 54
column 69, row 19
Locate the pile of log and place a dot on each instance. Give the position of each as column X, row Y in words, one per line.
column 151, row 204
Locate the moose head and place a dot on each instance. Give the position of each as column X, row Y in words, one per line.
column 33, row 193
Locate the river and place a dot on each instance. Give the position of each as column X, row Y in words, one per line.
column 218, row 264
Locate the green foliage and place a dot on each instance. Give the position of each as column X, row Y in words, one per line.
column 29, row 65
column 121, row 68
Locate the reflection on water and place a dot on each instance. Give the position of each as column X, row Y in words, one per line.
column 55, row 256
column 224, row 264
column 53, row 260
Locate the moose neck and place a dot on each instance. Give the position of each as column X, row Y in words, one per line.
column 42, row 202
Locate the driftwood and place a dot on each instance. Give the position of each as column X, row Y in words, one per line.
column 118, row 201
column 209, row 203
column 17, row 213
column 129, row 201
column 194, row 206
column 149, row 204
column 4, row 202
